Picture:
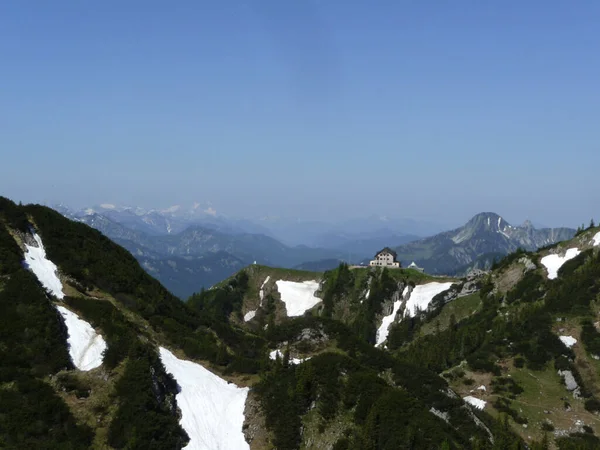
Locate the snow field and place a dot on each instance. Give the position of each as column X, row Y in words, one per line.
column 212, row 410
column 298, row 297
column 569, row 341
column 474, row 401
column 596, row 239
column 43, row 268
column 422, row 295
column 86, row 347
column 554, row 262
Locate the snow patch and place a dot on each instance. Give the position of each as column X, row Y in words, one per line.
column 86, row 347
column 441, row 414
column 422, row 295
column 596, row 239
column 249, row 315
column 298, row 297
column 554, row 262
column 504, row 234
column 482, row 388
column 273, row 355
column 383, row 331
column 43, row 268
column 212, row 410
column 171, row 209
column 569, row 341
column 476, row 402
column 261, row 293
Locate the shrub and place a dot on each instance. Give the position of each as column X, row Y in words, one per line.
column 547, row 426
column 592, row 404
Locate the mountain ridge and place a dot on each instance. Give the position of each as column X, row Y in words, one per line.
column 484, row 233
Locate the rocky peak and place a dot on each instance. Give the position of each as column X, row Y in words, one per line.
column 487, row 222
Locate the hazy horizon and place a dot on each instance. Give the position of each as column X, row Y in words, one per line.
column 328, row 111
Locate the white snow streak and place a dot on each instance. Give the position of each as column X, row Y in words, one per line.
column 422, row 295
column 212, row 410
column 86, row 347
column 554, row 262
column 298, row 297
column 261, row 293
column 476, row 402
column 596, row 239
column 43, row 268
column 569, row 341
column 251, row 314
column 383, row 331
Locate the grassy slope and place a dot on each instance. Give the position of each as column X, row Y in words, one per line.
column 544, row 394
column 461, row 308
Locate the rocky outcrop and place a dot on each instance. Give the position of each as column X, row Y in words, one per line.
column 469, row 286
column 570, row 383
column 387, row 307
column 312, row 336
column 254, row 427
column 529, row 264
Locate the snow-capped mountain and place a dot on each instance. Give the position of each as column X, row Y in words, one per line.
column 171, row 220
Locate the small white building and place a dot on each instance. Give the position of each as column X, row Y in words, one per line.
column 385, row 258
column 414, row 266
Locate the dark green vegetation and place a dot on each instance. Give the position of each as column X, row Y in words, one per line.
column 147, row 415
column 32, row 346
column 389, row 412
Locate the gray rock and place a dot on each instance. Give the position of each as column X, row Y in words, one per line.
column 570, row 382
column 529, row 264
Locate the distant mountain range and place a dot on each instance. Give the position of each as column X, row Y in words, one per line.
column 172, row 220
column 199, row 256
column 485, row 237
column 190, row 248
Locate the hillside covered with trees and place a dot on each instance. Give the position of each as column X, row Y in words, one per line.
column 317, row 379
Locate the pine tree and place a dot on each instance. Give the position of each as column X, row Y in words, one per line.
column 286, row 357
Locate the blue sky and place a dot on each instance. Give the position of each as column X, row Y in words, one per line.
column 316, row 109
